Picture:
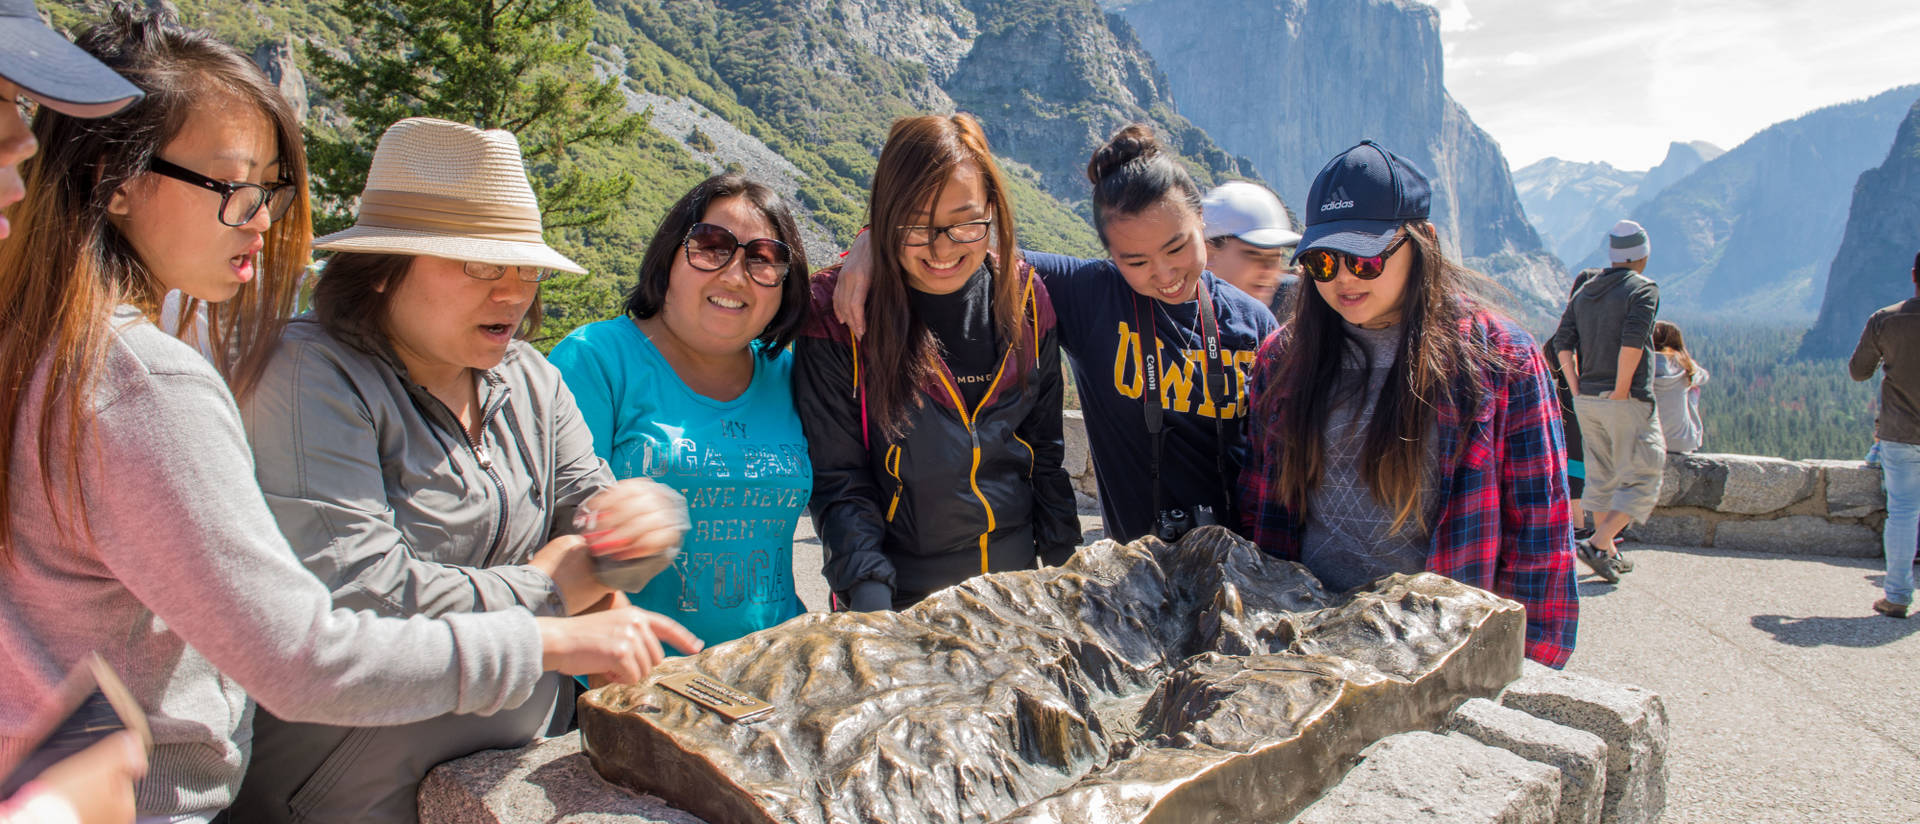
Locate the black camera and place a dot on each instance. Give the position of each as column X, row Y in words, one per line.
column 1173, row 523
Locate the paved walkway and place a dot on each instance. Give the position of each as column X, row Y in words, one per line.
column 1789, row 699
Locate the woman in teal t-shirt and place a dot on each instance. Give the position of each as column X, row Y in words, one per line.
column 693, row 388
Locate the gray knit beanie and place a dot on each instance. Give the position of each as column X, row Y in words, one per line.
column 1627, row 242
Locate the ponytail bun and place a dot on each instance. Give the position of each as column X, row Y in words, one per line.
column 1134, row 172
column 1135, row 142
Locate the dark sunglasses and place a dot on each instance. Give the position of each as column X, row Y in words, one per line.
column 1324, row 264
column 710, row 248
column 239, row 202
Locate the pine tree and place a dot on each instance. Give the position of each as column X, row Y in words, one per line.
column 518, row 65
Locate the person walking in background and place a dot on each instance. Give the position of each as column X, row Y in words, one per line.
column 1604, row 345
column 1250, row 241
column 1570, row 424
column 1677, row 379
column 936, row 438
column 693, row 387
column 1398, row 424
column 424, row 460
column 1576, row 464
column 1890, row 344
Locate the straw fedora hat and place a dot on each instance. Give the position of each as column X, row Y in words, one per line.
column 449, row 190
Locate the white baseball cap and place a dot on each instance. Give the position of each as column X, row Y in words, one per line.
column 1250, row 212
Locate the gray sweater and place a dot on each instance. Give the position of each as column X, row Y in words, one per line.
column 1349, row 540
column 1610, row 311
column 190, row 592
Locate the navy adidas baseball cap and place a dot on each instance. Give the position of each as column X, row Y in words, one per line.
column 1359, row 200
column 55, row 72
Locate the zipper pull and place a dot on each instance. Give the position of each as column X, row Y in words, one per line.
column 486, row 460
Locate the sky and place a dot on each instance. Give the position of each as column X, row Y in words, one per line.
column 1617, row 81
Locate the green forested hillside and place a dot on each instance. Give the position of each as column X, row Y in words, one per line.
column 798, row 79
column 1761, row 401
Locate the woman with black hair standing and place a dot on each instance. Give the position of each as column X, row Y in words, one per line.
column 1398, row 424
column 693, row 387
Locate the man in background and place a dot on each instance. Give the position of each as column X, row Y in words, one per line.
column 1249, row 241
column 1892, row 340
column 1605, row 349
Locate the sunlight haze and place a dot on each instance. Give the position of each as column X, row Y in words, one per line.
column 1618, row 81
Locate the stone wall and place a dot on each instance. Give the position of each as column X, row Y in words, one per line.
column 1769, row 505
column 1727, row 501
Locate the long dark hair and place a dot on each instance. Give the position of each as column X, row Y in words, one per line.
column 649, row 291
column 1132, row 172
column 920, row 157
column 66, row 265
column 1668, row 341
column 1437, row 356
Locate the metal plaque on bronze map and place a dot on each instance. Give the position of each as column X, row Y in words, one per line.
column 732, row 704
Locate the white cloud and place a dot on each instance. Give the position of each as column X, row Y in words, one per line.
column 1454, row 15
column 1617, row 81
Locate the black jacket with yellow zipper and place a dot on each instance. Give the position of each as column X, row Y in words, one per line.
column 964, row 491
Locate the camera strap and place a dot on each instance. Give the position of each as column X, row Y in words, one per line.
column 1214, row 380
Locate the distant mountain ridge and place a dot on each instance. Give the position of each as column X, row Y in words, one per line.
column 1875, row 259
column 1750, row 233
column 1573, row 204
column 1290, row 83
column 801, row 93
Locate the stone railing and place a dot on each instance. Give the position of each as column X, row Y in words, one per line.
column 1769, row 505
column 1725, row 501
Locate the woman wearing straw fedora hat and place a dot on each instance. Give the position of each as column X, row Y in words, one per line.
column 423, row 460
column 132, row 524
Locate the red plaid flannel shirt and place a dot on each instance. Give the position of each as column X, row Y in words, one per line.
column 1504, row 523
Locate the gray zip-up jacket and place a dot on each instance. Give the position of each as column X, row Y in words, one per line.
column 1611, row 311
column 383, row 497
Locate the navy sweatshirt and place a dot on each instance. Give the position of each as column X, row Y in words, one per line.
column 1100, row 330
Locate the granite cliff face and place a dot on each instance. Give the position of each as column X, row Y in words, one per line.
column 1290, row 83
column 1750, row 234
column 1573, row 204
column 1051, row 79
column 1876, row 253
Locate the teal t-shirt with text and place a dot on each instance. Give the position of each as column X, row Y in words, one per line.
column 742, row 464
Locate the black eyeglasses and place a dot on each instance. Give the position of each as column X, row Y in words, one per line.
column 494, row 271
column 1324, row 264
column 971, row 231
column 239, row 202
column 710, row 248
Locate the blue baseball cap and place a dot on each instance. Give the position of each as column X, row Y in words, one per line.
column 60, row 75
column 1360, row 199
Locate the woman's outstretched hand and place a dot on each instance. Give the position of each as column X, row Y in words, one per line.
column 621, row 643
